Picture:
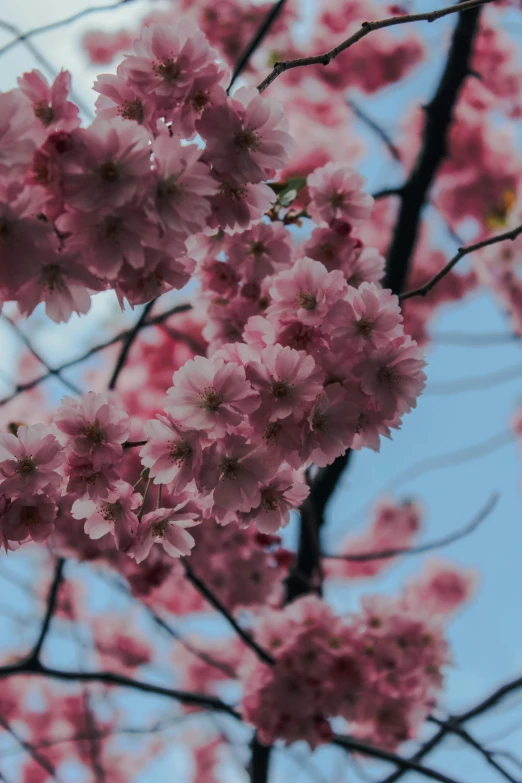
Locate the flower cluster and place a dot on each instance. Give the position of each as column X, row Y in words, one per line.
column 112, row 205
column 380, row 669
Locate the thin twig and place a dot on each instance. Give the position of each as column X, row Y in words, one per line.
column 376, row 128
column 35, row 755
column 365, row 29
column 256, row 41
column 418, row 550
column 52, row 600
column 46, row 28
column 129, row 342
column 202, row 588
column 463, row 251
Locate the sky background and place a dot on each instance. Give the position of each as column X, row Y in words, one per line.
column 486, row 638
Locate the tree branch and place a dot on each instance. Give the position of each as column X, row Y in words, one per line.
column 463, row 251
column 365, row 29
column 52, row 600
column 376, row 128
column 257, row 40
column 129, row 342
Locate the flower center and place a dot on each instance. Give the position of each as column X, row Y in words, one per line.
column 112, row 226
column 211, row 400
column 365, row 327
column 26, row 466
column 29, row 515
column 168, row 70
column 181, row 452
column 268, row 500
column 320, row 422
column 246, row 139
column 5, row 229
column 235, row 193
column 231, row 468
column 337, row 200
column 280, row 389
column 109, row 171
column 199, row 100
column 132, row 110
column 160, row 528
column 386, row 377
column 169, row 189
column 272, row 431
column 257, row 249
column 306, row 300
column 92, row 432
column 44, row 112
column 52, row 277
column 108, row 511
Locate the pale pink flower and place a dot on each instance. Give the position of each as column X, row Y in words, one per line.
column 238, row 206
column 63, row 283
column 210, row 395
column 113, row 167
column 307, row 292
column 333, row 246
column 336, row 194
column 172, row 454
column 247, row 138
column 440, row 589
column 116, row 515
column 28, row 461
column 94, row 428
column 166, row 526
column 282, row 494
column 232, row 469
column 29, row 517
column 287, row 382
column 102, row 46
column 105, row 241
column 182, row 185
column 333, row 422
column 166, row 268
column 207, row 90
column 367, row 316
column 393, row 376
column 263, row 250
column 83, row 480
column 118, row 98
column 219, row 277
column 49, row 102
column 166, row 62
column 367, row 265
column 283, row 440
column 17, row 132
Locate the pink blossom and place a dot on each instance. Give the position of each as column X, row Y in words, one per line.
column 102, row 46
column 94, row 428
column 166, row 526
column 206, row 91
column 113, row 167
column 336, row 194
column 306, row 292
column 333, row 422
column 393, row 376
column 247, row 138
column 50, row 104
column 165, row 268
column 238, row 206
column 333, row 246
column 63, row 283
column 84, row 480
column 287, row 382
column 17, row 137
column 118, row 98
column 440, row 589
column 115, row 515
column 232, row 470
column 367, row 316
column 219, row 277
column 368, row 265
column 172, row 454
column 210, row 395
column 283, row 493
column 28, row 461
column 263, row 250
column 182, row 186
column 29, row 517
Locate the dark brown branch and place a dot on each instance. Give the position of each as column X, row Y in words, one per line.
column 418, row 550
column 365, row 29
column 376, row 128
column 259, row 761
column 46, row 28
column 214, row 601
column 129, row 342
column 52, row 600
column 257, row 40
column 404, row 765
column 438, row 118
column 463, row 251
column 32, row 751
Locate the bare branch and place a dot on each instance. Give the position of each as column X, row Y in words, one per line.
column 418, row 550
column 35, row 755
column 52, row 600
column 463, row 251
column 365, row 29
column 46, row 28
column 129, row 342
column 376, row 128
column 257, row 40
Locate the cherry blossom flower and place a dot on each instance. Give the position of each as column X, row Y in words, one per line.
column 210, row 395
column 440, row 589
column 113, row 167
column 306, row 292
column 50, row 104
column 336, row 194
column 28, row 461
column 333, row 423
column 182, row 185
column 263, row 250
column 283, row 493
column 287, row 382
column 247, row 138
column 238, row 206
column 368, row 316
column 116, row 515
column 84, row 480
column 94, row 428
column 172, row 454
column 29, row 517
column 166, row 526
column 232, row 470
column 118, row 98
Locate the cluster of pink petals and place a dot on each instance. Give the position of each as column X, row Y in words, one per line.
column 380, row 669
column 113, row 205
